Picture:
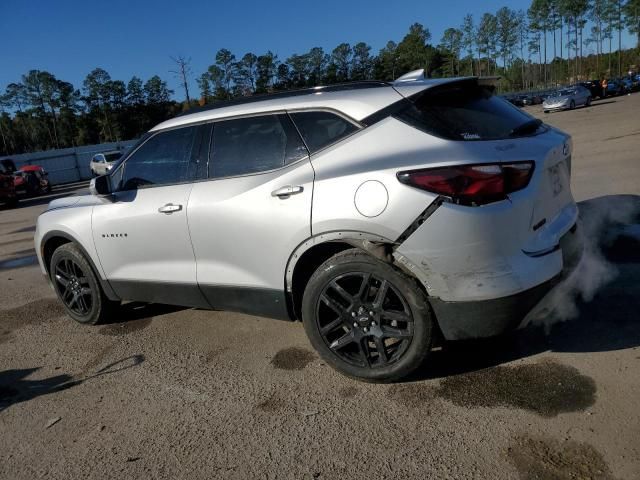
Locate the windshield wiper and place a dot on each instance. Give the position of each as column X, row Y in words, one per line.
column 527, row 127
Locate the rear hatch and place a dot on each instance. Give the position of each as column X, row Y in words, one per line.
column 486, row 129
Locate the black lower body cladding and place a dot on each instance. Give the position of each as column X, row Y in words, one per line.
column 487, row 318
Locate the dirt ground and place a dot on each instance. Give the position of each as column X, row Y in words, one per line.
column 181, row 393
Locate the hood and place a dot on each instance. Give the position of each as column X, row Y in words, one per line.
column 74, row 201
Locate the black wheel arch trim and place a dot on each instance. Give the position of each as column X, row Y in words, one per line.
column 354, row 238
column 106, row 286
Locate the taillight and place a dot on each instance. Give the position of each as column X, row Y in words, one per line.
column 472, row 184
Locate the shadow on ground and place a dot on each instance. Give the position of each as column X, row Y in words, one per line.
column 609, row 322
column 15, row 388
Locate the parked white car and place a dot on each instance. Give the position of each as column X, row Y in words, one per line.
column 101, row 163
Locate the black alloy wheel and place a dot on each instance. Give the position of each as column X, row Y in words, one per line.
column 73, row 286
column 367, row 318
column 78, row 286
column 364, row 320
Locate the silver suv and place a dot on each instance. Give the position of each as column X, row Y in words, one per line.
column 383, row 216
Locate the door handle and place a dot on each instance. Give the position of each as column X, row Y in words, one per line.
column 284, row 192
column 169, row 208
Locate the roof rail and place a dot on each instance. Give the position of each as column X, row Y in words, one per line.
column 339, row 87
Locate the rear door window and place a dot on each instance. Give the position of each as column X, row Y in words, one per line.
column 465, row 112
column 253, row 145
column 321, row 129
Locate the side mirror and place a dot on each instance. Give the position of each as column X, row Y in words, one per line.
column 100, row 186
column 99, row 158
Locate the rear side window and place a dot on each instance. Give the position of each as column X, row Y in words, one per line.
column 162, row 160
column 253, row 145
column 320, row 129
column 464, row 112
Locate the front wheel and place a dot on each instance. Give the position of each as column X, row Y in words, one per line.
column 588, row 103
column 77, row 286
column 572, row 105
column 367, row 319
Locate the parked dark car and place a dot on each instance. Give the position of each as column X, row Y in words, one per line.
column 7, row 189
column 593, row 86
column 513, row 99
column 628, row 84
column 532, row 99
column 615, row 87
column 525, row 99
column 31, row 180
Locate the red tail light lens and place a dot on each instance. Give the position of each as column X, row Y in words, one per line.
column 472, row 184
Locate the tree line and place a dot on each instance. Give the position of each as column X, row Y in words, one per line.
column 553, row 42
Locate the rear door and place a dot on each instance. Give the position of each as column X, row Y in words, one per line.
column 142, row 235
column 251, row 213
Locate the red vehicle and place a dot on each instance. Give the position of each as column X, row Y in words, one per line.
column 8, row 194
column 31, row 180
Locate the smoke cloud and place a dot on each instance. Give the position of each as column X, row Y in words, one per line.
column 601, row 223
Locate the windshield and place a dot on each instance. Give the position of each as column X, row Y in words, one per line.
column 564, row 93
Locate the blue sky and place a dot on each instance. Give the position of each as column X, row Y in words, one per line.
column 136, row 37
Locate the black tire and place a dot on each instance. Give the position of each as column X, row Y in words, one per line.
column 588, row 104
column 77, row 286
column 572, row 105
column 364, row 320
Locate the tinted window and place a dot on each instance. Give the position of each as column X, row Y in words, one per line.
column 464, row 112
column 320, row 129
column 163, row 159
column 255, row 144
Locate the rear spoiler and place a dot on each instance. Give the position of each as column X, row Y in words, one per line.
column 419, row 76
column 414, row 84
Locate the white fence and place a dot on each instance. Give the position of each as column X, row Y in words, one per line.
column 67, row 164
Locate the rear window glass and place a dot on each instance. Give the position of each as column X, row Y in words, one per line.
column 321, row 129
column 464, row 113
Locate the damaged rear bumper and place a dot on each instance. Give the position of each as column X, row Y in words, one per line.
column 487, row 318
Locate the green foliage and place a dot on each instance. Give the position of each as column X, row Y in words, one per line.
column 42, row 112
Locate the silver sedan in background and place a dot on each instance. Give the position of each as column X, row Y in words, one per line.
column 567, row 99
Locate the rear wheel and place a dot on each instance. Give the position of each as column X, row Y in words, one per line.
column 367, row 319
column 77, row 286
